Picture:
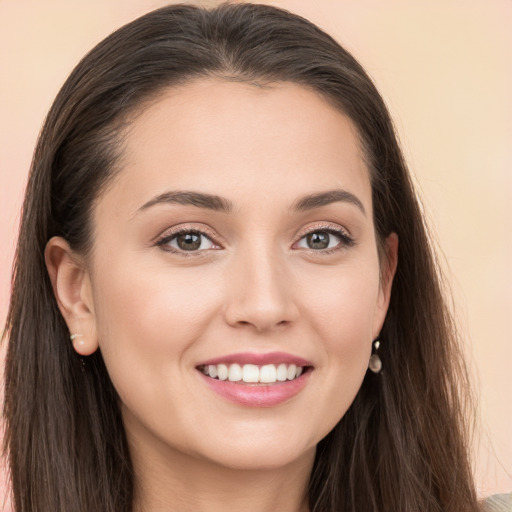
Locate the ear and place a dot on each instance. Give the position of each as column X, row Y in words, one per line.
column 387, row 274
column 73, row 292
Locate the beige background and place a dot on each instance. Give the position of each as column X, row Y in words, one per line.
column 444, row 68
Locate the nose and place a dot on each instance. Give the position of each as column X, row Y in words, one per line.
column 260, row 292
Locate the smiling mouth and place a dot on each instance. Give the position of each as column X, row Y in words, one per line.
column 254, row 374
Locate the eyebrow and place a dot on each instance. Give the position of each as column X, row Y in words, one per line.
column 320, row 199
column 217, row 203
column 208, row 201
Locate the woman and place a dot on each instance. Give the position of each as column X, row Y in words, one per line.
column 224, row 289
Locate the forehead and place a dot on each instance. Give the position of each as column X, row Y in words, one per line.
column 239, row 139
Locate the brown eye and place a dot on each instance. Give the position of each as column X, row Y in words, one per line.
column 189, row 241
column 318, row 240
column 325, row 240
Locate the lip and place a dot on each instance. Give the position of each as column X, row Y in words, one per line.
column 258, row 359
column 257, row 395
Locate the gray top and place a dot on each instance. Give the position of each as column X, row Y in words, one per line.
column 498, row 503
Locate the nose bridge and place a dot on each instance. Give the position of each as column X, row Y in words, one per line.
column 260, row 287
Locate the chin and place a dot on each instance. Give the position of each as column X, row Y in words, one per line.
column 265, row 449
column 257, row 458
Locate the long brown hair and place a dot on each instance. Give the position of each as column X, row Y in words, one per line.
column 402, row 445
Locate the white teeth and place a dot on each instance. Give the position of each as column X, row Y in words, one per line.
column 250, row 373
column 222, row 371
column 282, row 373
column 268, row 373
column 235, row 373
column 253, row 374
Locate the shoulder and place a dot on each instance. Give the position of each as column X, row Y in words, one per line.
column 498, row 503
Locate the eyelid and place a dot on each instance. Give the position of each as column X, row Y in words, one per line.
column 170, row 233
column 325, row 226
column 346, row 239
column 188, row 227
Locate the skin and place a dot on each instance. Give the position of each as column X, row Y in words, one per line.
column 255, row 285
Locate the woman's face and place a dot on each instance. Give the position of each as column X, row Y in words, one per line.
column 238, row 241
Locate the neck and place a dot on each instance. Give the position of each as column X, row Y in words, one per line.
column 171, row 481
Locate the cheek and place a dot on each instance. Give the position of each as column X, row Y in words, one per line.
column 147, row 318
column 342, row 302
column 341, row 312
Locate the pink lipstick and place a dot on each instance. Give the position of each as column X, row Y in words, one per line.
column 256, row 380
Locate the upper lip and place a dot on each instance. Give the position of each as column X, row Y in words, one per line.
column 258, row 359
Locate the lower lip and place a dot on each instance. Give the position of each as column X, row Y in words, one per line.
column 258, row 395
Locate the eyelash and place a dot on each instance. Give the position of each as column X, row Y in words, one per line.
column 346, row 241
column 167, row 238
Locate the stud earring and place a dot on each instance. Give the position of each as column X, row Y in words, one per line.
column 74, row 336
column 80, row 343
column 375, row 364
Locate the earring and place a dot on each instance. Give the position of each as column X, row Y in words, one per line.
column 74, row 336
column 375, row 364
column 79, row 343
